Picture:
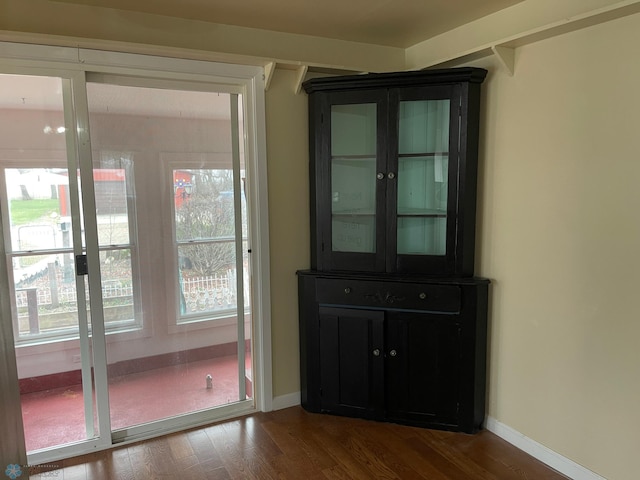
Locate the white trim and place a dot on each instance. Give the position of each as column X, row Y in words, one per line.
column 258, row 206
column 182, row 423
column 83, row 163
column 547, row 456
column 117, row 63
column 286, row 401
column 237, row 210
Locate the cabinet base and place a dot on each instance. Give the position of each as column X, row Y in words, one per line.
column 448, row 427
column 410, row 351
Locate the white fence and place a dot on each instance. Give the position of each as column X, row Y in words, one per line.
column 210, row 293
column 200, row 293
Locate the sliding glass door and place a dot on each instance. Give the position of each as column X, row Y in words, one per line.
column 125, row 223
column 168, row 169
column 44, row 239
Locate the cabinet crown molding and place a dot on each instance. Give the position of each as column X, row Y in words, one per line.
column 386, row 80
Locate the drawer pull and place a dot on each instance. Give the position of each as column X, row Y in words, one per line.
column 422, row 296
column 347, row 290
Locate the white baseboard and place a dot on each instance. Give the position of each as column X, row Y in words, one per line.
column 286, row 401
column 556, row 461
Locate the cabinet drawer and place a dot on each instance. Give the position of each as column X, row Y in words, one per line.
column 400, row 295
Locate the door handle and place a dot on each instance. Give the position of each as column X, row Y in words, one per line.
column 81, row 265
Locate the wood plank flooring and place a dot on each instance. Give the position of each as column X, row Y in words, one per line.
column 294, row 444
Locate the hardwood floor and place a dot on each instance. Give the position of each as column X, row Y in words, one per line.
column 294, row 444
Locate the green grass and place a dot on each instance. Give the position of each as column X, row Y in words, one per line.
column 26, row 211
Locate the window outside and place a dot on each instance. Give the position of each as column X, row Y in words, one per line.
column 42, row 257
column 204, row 224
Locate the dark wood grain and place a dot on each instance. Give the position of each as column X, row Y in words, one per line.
column 419, row 360
column 295, row 444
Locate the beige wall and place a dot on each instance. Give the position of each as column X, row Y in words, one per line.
column 559, row 232
column 558, row 236
column 288, row 171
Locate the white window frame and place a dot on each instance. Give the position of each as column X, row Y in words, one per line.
column 192, row 321
column 127, row 327
column 135, row 324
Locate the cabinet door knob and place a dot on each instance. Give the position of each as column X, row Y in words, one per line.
column 391, row 175
column 380, row 176
column 376, row 352
column 347, row 290
column 422, row 296
column 393, row 353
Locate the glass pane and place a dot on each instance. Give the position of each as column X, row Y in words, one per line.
column 46, row 302
column 353, row 186
column 424, row 126
column 353, row 129
column 112, row 172
column 207, row 278
column 353, row 177
column 204, row 217
column 422, row 236
column 172, row 227
column 353, row 234
column 423, row 171
column 117, row 288
column 423, row 185
column 36, row 201
column 203, row 200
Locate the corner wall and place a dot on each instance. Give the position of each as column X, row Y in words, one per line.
column 558, row 235
column 288, row 170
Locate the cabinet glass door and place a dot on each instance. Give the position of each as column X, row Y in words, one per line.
column 353, row 177
column 423, row 168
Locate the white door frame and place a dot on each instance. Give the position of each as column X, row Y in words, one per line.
column 21, row 58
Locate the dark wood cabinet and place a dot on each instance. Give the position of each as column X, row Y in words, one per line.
column 351, row 363
column 392, row 320
column 406, row 350
column 393, row 171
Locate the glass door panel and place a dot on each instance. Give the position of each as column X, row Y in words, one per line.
column 171, row 218
column 423, row 163
column 99, row 256
column 353, row 177
column 42, row 236
column 353, row 205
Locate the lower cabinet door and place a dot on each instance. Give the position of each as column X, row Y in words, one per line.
column 423, row 366
column 352, row 361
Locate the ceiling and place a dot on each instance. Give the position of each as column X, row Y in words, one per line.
column 396, row 23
